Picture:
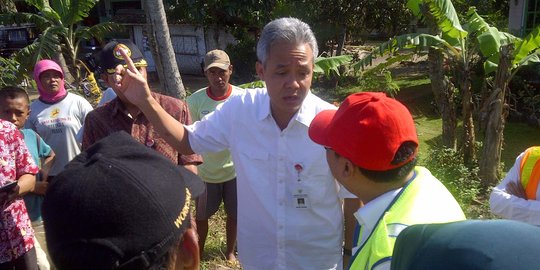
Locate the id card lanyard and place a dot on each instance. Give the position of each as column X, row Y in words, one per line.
column 300, row 196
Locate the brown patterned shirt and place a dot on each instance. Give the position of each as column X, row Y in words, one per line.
column 113, row 117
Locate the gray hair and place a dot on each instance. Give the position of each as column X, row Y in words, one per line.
column 285, row 29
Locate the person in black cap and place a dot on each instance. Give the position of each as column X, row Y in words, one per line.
column 468, row 245
column 120, row 205
column 120, row 114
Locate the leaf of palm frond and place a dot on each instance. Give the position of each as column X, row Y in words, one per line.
column 444, row 13
column 529, row 44
column 97, row 31
column 475, row 23
column 407, row 41
column 44, row 47
column 51, row 15
column 22, row 18
column 39, row 4
column 73, row 11
column 327, row 65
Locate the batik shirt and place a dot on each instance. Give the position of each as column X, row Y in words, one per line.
column 16, row 234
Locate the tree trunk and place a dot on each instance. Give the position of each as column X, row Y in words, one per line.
column 443, row 91
column 469, row 140
column 497, row 113
column 341, row 42
column 170, row 75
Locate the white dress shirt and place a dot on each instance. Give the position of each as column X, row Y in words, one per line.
column 289, row 211
column 510, row 206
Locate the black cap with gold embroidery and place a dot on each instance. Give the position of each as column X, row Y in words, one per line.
column 110, row 56
column 117, row 205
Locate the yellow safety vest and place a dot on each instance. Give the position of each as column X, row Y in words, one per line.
column 530, row 171
column 422, row 200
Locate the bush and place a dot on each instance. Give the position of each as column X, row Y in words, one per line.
column 463, row 182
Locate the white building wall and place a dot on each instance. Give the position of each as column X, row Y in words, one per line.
column 516, row 15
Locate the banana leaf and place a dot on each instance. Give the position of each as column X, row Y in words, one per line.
column 529, row 44
column 444, row 13
column 329, row 65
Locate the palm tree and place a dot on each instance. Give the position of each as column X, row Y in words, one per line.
column 166, row 60
column 61, row 33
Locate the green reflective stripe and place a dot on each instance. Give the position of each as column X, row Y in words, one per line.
column 531, row 157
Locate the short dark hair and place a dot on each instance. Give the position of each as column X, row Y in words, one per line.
column 13, row 92
column 404, row 152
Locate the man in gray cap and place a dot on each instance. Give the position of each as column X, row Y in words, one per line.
column 217, row 171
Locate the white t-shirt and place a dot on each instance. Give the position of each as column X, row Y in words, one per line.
column 59, row 124
column 283, row 223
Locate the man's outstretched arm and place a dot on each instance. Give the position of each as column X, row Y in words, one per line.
column 135, row 88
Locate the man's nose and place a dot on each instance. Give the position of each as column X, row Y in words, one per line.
column 12, row 118
column 292, row 82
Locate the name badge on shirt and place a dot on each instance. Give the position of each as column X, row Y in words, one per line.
column 301, row 201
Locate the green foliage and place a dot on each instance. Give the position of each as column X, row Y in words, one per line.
column 528, row 46
column 243, row 56
column 447, row 166
column 8, row 71
column 254, row 84
column 379, row 82
column 59, row 24
column 444, row 13
column 330, row 65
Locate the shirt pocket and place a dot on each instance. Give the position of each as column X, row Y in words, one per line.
column 320, row 184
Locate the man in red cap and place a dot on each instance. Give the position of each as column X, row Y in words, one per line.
column 371, row 148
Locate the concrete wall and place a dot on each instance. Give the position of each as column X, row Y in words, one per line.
column 190, row 44
column 516, row 15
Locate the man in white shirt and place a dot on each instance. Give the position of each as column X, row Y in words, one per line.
column 289, row 213
column 517, row 197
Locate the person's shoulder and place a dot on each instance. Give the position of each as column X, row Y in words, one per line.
column 169, row 104
column 237, row 90
column 105, row 109
column 27, row 132
column 7, row 127
column 165, row 99
column 197, row 96
column 319, row 103
column 71, row 97
column 200, row 92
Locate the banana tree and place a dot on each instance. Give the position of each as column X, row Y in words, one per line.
column 504, row 54
column 61, row 32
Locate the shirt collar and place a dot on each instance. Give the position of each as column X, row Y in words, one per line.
column 369, row 214
column 304, row 116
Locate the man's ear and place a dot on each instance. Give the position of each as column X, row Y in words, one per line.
column 259, row 67
column 348, row 168
column 188, row 256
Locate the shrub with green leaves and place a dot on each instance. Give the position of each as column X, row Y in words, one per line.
column 463, row 182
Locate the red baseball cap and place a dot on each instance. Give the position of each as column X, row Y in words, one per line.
column 368, row 129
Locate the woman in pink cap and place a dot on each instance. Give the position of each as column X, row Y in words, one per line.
column 57, row 116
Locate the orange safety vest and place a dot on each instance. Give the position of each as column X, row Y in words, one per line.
column 530, row 171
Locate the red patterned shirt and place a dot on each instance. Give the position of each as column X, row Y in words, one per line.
column 113, row 117
column 16, row 234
